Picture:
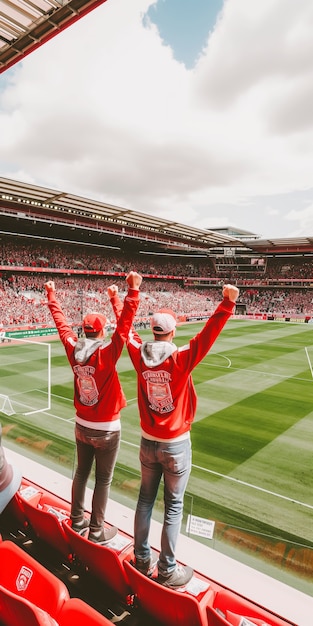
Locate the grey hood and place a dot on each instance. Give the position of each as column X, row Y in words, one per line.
column 156, row 352
column 85, row 348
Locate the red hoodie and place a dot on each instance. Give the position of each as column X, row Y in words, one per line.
column 98, row 395
column 166, row 395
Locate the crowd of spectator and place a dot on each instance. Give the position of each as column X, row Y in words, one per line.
column 65, row 256
column 22, row 298
column 275, row 301
column 22, row 294
column 299, row 267
column 70, row 256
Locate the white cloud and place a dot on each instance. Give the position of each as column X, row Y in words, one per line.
column 303, row 220
column 269, row 210
column 104, row 110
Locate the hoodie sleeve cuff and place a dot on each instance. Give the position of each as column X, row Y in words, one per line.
column 133, row 293
column 51, row 296
column 229, row 303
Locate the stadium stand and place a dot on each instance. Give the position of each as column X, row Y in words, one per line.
column 25, row 267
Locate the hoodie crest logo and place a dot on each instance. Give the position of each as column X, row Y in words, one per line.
column 159, row 391
column 86, row 384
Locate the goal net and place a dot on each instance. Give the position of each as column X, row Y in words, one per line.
column 25, row 377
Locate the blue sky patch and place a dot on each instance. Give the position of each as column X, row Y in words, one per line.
column 185, row 25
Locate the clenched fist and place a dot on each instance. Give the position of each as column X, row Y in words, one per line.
column 50, row 286
column 231, row 292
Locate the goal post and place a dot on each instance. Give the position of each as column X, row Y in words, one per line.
column 309, row 360
column 6, row 405
column 25, row 377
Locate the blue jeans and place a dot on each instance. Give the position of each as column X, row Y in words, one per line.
column 103, row 446
column 173, row 461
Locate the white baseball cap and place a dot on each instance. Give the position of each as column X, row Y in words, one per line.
column 163, row 322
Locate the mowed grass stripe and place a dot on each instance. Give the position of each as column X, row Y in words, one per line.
column 250, row 400
column 251, row 490
column 237, row 385
column 238, row 327
column 241, row 429
column 290, row 454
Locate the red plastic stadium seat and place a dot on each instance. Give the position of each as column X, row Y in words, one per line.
column 228, row 609
column 104, row 562
column 45, row 513
column 18, row 611
column 170, row 606
column 26, row 578
column 76, row 612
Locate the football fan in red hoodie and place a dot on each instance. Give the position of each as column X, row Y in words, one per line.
column 98, row 400
column 167, row 405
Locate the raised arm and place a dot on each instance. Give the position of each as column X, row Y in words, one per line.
column 134, row 281
column 125, row 312
column 200, row 345
column 64, row 329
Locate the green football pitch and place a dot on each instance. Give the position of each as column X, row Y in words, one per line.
column 252, row 436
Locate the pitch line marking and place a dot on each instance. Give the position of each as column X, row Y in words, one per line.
column 236, row 480
column 62, row 397
column 129, row 443
column 242, row 482
column 63, row 419
column 222, row 356
column 240, row 369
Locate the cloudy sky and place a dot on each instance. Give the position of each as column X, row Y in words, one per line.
column 200, row 111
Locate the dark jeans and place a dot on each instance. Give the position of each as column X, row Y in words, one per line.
column 101, row 446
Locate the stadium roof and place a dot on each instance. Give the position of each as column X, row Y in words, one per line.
column 60, row 206
column 27, row 24
column 283, row 245
column 30, row 202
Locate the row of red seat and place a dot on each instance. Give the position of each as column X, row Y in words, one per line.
column 30, row 595
column 202, row 603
